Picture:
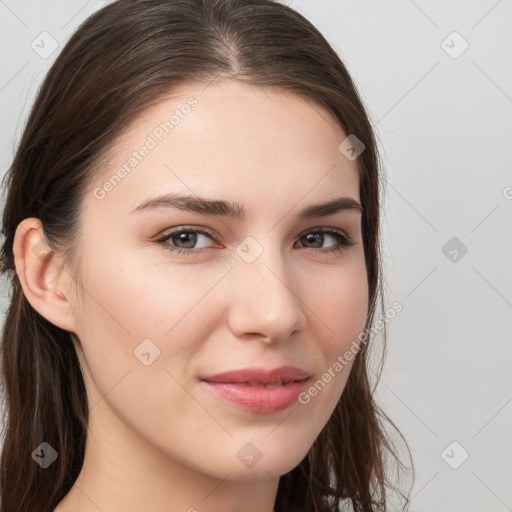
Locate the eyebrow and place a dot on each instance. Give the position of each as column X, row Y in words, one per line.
column 237, row 211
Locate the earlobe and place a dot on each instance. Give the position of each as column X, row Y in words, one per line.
column 42, row 275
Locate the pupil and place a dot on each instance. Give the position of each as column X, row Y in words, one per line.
column 317, row 236
column 183, row 239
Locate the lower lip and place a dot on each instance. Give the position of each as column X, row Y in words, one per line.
column 258, row 399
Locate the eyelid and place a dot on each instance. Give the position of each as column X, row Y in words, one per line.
column 185, row 227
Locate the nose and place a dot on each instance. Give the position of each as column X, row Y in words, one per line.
column 264, row 302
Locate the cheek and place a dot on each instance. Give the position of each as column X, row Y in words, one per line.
column 341, row 303
column 135, row 313
column 147, row 310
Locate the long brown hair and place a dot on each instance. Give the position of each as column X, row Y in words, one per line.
column 122, row 59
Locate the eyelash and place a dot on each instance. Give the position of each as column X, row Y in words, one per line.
column 344, row 241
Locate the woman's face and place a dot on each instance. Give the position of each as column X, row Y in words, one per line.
column 261, row 289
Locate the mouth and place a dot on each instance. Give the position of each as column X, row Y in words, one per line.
column 259, row 390
column 260, row 376
column 269, row 385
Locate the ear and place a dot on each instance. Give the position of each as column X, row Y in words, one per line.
column 42, row 275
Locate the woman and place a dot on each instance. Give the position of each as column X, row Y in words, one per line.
column 192, row 234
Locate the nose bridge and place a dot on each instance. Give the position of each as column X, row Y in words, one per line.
column 265, row 300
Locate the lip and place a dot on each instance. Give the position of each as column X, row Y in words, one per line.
column 259, row 375
column 245, row 388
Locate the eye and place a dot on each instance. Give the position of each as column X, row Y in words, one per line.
column 183, row 240
column 318, row 236
column 186, row 236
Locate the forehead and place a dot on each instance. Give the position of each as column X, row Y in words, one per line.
column 229, row 139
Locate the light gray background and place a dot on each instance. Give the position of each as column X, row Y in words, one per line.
column 445, row 131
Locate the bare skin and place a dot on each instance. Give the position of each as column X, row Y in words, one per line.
column 158, row 440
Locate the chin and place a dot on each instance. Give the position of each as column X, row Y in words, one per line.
column 273, row 459
column 263, row 471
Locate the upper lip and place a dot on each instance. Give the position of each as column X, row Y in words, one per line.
column 282, row 374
